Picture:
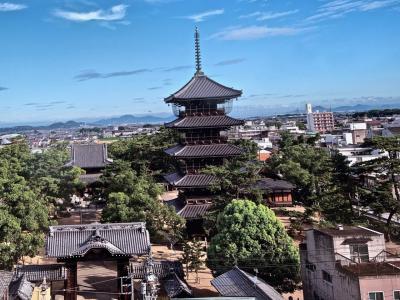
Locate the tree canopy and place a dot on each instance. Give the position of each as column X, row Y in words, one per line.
column 30, row 184
column 251, row 237
column 131, row 197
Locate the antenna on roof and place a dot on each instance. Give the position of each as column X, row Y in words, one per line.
column 197, row 51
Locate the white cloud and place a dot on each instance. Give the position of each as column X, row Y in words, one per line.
column 338, row 8
column 7, row 6
column 262, row 16
column 200, row 17
column 255, row 32
column 115, row 13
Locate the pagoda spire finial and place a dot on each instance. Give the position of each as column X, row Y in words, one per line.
column 197, row 51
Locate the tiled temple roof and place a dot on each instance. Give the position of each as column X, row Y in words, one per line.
column 189, row 180
column 119, row 239
column 200, row 87
column 175, row 286
column 36, row 273
column 212, row 150
column 89, row 156
column 194, row 211
column 204, row 122
column 238, row 283
column 162, row 268
column 271, row 184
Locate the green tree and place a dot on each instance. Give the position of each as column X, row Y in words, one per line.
column 135, row 198
column 146, row 152
column 250, row 236
column 384, row 194
column 192, row 257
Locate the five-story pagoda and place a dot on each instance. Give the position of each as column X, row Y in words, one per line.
column 201, row 106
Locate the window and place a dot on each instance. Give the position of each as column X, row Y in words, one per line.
column 396, row 295
column 310, row 266
column 359, row 253
column 375, row 296
column 326, row 276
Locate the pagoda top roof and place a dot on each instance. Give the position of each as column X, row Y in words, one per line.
column 201, row 87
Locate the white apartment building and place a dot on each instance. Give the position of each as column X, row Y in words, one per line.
column 348, row 263
column 319, row 121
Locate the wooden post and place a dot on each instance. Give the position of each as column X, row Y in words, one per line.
column 71, row 284
column 122, row 271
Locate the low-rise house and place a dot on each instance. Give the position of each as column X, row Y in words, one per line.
column 348, row 263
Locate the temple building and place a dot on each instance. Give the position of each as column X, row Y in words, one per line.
column 201, row 106
column 92, row 158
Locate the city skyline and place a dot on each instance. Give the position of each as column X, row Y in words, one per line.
column 74, row 59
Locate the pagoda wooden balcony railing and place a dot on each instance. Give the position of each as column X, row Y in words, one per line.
column 211, row 109
column 204, row 140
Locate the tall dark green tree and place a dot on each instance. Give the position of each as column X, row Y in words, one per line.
column 251, row 237
column 135, row 198
column 384, row 194
column 146, row 152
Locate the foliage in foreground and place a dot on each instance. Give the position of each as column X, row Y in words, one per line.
column 30, row 185
column 251, row 237
column 134, row 198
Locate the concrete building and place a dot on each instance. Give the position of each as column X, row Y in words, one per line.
column 358, row 132
column 359, row 154
column 319, row 121
column 348, row 263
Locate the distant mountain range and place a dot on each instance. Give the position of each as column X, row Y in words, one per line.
column 122, row 120
column 242, row 112
column 130, row 119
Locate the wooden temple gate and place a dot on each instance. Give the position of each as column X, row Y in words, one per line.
column 117, row 242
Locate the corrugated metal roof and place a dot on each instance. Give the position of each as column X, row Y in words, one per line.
column 204, row 122
column 200, row 87
column 189, row 180
column 162, row 269
column 88, row 156
column 36, row 273
column 238, row 283
column 212, row 150
column 76, row 240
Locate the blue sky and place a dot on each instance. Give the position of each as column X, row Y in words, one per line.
column 71, row 59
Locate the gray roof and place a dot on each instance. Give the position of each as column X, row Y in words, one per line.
column 5, row 280
column 204, row 122
column 162, row 269
column 273, row 184
column 200, row 87
column 20, row 288
column 238, row 283
column 119, row 239
column 189, row 180
column 175, row 286
column 88, row 156
column 36, row 273
column 212, row 150
column 194, row 211
column 350, row 231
